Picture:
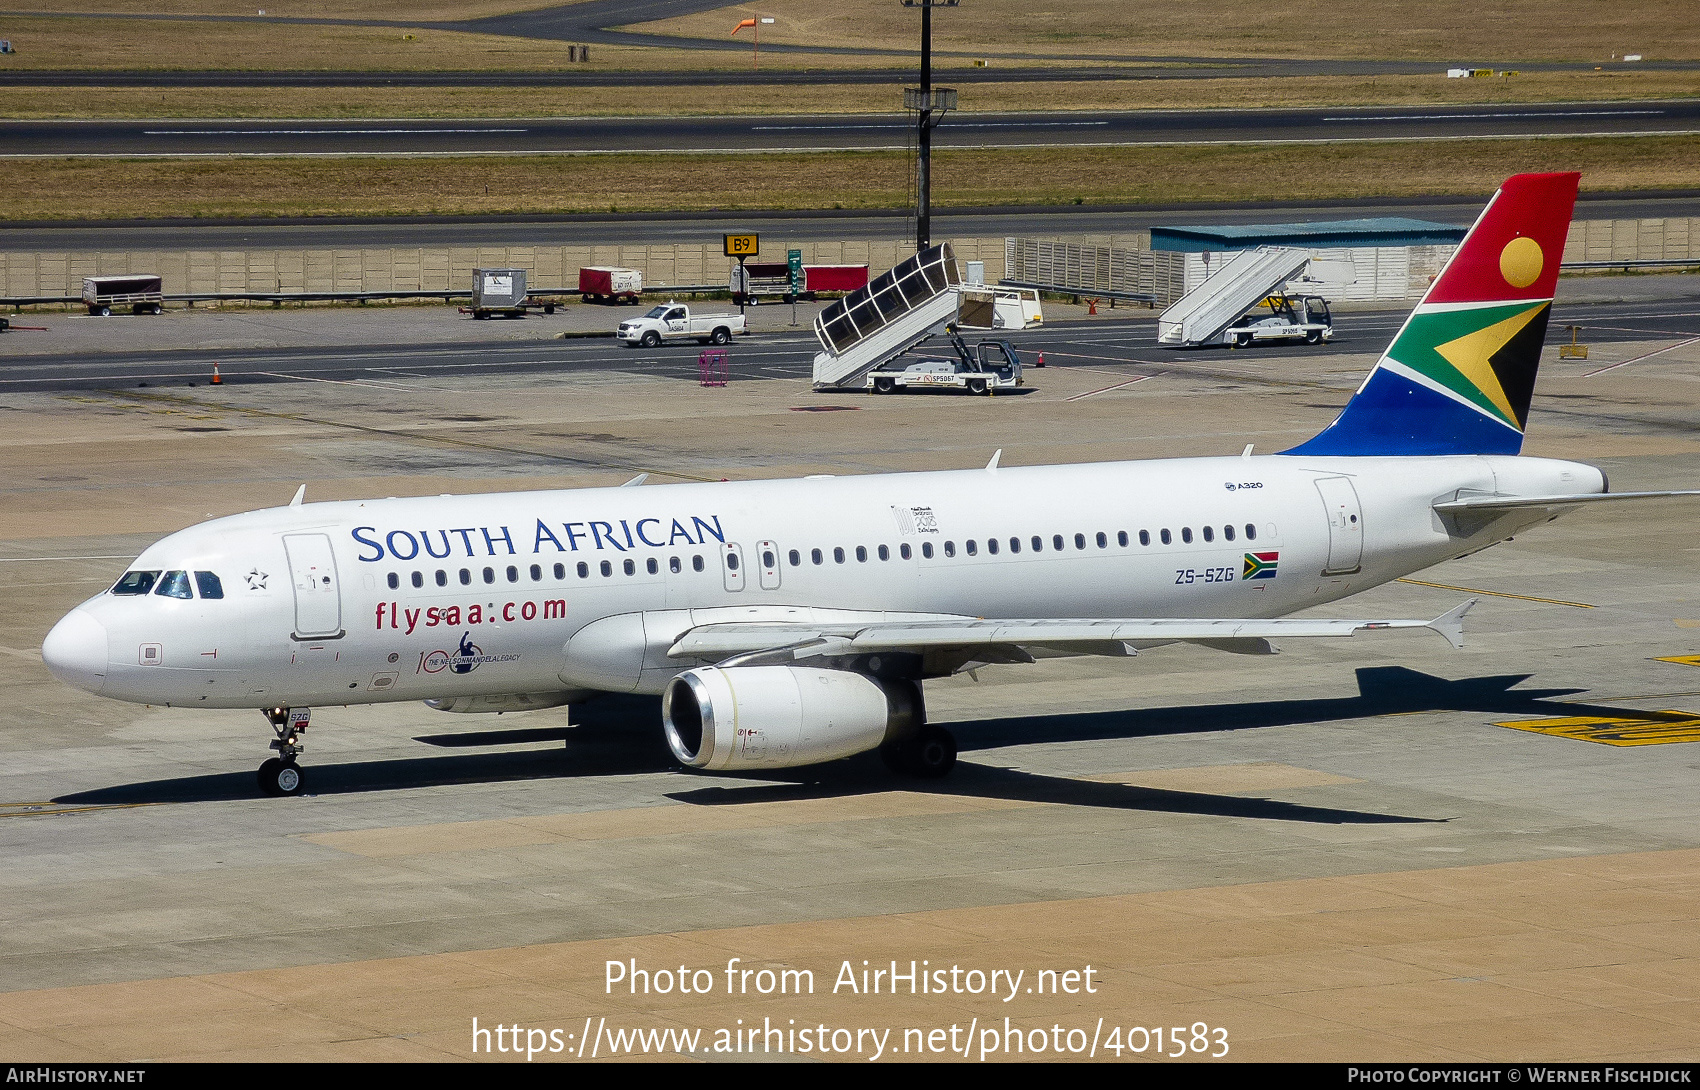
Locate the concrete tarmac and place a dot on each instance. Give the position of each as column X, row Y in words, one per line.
column 1340, row 852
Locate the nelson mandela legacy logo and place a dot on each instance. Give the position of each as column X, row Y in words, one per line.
column 463, row 660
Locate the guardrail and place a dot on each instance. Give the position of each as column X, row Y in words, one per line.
column 1149, row 298
column 1671, row 263
column 345, row 296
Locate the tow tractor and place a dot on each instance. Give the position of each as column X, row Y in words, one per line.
column 1290, row 318
column 989, row 366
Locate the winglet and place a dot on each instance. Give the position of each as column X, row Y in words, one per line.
column 635, row 481
column 1451, row 623
column 300, row 494
column 992, row 466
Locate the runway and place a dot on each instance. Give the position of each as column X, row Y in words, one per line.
column 538, row 136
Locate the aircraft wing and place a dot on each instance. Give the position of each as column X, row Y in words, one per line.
column 790, row 640
column 1489, row 504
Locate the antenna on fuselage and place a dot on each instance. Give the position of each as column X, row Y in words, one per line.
column 300, row 494
column 635, row 481
column 992, row 466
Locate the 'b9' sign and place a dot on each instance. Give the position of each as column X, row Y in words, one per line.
column 743, row 245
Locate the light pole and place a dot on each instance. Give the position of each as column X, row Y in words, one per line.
column 926, row 101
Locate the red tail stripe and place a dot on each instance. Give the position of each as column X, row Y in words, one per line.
column 1536, row 206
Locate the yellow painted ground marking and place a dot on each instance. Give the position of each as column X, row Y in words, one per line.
column 1498, row 594
column 1683, row 660
column 1683, row 622
column 1647, row 729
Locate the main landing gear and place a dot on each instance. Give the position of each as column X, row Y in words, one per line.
column 280, row 775
column 929, row 753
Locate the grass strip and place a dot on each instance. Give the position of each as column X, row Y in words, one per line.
column 83, row 188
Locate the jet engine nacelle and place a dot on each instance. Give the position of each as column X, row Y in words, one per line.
column 504, row 702
column 745, row 717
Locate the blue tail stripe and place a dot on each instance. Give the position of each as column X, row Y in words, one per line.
column 1393, row 415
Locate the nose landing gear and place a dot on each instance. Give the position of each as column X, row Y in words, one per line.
column 280, row 775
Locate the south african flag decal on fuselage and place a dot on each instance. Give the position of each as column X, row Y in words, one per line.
column 1260, row 565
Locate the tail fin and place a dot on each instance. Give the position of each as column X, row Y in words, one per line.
column 1458, row 377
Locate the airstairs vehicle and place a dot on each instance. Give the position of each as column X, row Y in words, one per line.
column 1212, row 313
column 896, row 311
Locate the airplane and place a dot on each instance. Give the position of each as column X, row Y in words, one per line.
column 791, row 622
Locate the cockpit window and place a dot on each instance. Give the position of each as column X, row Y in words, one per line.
column 175, row 584
column 209, row 586
column 135, row 582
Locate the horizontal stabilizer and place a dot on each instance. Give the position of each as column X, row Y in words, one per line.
column 1489, row 504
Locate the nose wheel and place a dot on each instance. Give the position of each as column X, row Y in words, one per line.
column 281, row 775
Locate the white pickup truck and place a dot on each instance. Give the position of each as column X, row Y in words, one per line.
column 674, row 322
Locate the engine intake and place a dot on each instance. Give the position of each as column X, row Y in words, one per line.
column 782, row 716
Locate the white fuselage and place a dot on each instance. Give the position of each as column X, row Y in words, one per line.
column 432, row 598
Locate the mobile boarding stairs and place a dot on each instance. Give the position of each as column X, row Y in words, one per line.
column 1203, row 315
column 896, row 311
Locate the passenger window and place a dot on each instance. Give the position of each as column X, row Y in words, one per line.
column 607, row 569
column 175, row 584
column 560, row 571
column 861, row 554
column 1186, row 535
column 950, row 548
column 1228, row 532
column 1038, row 544
column 630, row 567
column 442, row 578
column 1014, row 544
column 583, row 570
column 971, row 547
column 1250, row 532
column 652, row 566
column 1057, row 542
column 207, row 584
column 838, row 554
column 513, row 574
column 814, row 555
column 418, row 580
column 696, row 562
column 1209, row 534
column 674, row 566
column 465, row 577
column 731, row 561
column 1163, row 535
column 489, row 575
column 1103, row 540
column 1144, row 537
column 795, row 557
column 537, row 573
column 394, row 580
column 1121, row 538
column 768, row 560
column 135, row 582
column 885, row 553
column 1079, row 541
column 905, row 552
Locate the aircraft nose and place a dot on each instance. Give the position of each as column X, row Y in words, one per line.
column 75, row 651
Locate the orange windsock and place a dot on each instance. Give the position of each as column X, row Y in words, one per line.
column 741, row 26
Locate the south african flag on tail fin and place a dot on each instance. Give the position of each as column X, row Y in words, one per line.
column 1458, row 377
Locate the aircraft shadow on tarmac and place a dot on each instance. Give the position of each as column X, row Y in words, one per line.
column 602, row 741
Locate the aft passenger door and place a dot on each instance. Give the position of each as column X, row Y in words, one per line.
column 1345, row 525
column 318, row 598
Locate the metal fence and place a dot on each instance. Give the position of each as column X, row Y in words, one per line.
column 1075, row 267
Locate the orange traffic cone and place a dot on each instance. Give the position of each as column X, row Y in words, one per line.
column 1041, row 362
column 216, row 381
